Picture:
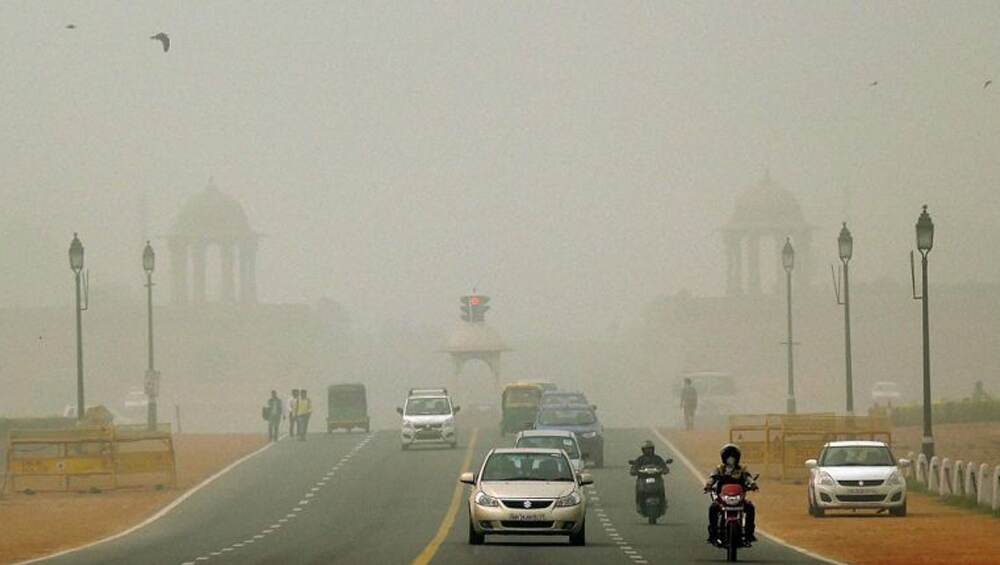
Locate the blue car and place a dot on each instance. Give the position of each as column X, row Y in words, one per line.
column 579, row 419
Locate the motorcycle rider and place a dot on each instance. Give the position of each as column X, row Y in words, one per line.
column 728, row 473
column 649, row 458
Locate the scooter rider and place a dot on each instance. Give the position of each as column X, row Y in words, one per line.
column 731, row 472
column 649, row 458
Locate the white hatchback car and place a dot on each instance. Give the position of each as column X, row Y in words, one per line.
column 853, row 475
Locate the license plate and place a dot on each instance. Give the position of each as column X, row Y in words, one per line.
column 859, row 491
column 521, row 517
column 650, row 480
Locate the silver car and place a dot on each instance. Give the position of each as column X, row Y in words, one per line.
column 852, row 475
column 553, row 439
column 527, row 491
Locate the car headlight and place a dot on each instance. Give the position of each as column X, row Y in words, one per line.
column 407, row 425
column 825, row 479
column 896, row 478
column 449, row 423
column 589, row 435
column 484, row 499
column 571, row 499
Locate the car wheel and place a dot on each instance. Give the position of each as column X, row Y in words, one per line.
column 404, row 446
column 453, row 445
column 474, row 538
column 599, row 459
column 579, row 538
column 899, row 511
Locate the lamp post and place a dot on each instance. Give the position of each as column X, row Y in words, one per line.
column 925, row 241
column 76, row 264
column 845, row 247
column 151, row 384
column 788, row 262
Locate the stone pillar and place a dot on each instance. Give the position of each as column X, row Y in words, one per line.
column 178, row 249
column 198, row 259
column 227, row 253
column 753, row 265
column 248, row 271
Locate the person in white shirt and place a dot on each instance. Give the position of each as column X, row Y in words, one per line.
column 292, row 411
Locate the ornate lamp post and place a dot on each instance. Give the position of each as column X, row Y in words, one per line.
column 788, row 262
column 76, row 264
column 152, row 381
column 925, row 241
column 845, row 247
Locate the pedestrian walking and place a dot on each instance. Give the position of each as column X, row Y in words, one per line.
column 304, row 411
column 689, row 403
column 274, row 413
column 293, row 411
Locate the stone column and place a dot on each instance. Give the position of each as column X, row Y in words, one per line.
column 248, row 271
column 227, row 253
column 753, row 265
column 178, row 249
column 198, row 258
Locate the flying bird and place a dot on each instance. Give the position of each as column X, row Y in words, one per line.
column 71, row 26
column 873, row 83
column 164, row 39
column 987, row 84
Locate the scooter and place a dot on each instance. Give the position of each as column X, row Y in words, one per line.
column 651, row 498
column 730, row 501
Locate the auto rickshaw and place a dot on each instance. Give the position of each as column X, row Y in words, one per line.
column 347, row 406
column 520, row 406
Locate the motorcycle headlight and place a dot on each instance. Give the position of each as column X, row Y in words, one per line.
column 825, row 479
column 484, row 499
column 589, row 435
column 896, row 478
column 571, row 499
column 732, row 500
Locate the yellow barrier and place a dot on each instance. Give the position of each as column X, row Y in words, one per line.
column 785, row 441
column 115, row 454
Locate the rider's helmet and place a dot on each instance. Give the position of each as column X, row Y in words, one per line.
column 730, row 451
column 648, row 448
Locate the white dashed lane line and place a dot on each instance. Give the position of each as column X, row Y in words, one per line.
column 609, row 528
column 305, row 501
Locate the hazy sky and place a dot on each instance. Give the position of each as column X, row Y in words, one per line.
column 575, row 158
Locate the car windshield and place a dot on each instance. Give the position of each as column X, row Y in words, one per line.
column 427, row 407
column 551, row 442
column 566, row 417
column 527, row 467
column 857, row 456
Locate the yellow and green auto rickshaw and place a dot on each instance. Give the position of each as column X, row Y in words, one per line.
column 520, row 406
column 347, row 406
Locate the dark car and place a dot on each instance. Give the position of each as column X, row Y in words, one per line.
column 582, row 421
column 563, row 398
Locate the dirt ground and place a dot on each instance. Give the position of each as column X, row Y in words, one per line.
column 932, row 532
column 978, row 442
column 43, row 523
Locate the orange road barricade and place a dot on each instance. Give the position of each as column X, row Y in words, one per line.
column 89, row 457
column 780, row 443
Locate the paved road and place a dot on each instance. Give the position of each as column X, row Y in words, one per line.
column 360, row 499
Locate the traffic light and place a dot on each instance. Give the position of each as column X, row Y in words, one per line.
column 474, row 307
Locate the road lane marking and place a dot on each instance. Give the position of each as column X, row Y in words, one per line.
column 428, row 553
column 701, row 478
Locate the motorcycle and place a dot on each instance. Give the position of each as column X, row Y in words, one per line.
column 651, row 498
column 730, row 501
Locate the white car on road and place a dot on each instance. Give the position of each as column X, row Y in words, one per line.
column 553, row 439
column 527, row 492
column 853, row 475
column 428, row 418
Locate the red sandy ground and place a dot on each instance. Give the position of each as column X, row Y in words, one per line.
column 933, row 532
column 44, row 523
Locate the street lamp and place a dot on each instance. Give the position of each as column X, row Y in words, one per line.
column 925, row 241
column 76, row 264
column 845, row 247
column 152, row 381
column 788, row 262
